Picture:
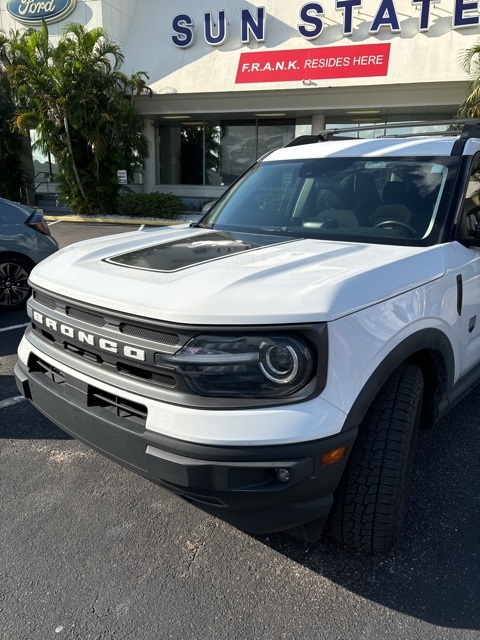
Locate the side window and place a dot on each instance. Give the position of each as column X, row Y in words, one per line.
column 471, row 214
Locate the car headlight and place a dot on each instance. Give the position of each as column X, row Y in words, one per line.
column 255, row 366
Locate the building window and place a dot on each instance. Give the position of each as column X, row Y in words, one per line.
column 44, row 164
column 238, row 148
column 216, row 153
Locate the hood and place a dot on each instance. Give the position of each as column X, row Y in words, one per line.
column 198, row 276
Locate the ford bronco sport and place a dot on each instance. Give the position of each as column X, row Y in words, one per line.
column 272, row 363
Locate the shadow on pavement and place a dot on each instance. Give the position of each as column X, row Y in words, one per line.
column 434, row 572
column 9, row 341
column 21, row 421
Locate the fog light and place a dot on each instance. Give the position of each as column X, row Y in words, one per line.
column 334, row 456
column 282, row 475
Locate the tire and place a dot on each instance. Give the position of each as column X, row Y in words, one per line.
column 369, row 505
column 14, row 288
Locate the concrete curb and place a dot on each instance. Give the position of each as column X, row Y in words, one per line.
column 132, row 221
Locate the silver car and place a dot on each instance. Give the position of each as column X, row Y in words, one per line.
column 25, row 240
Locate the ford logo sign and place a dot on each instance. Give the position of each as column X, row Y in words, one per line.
column 32, row 12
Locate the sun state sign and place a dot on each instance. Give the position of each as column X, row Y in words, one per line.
column 32, row 12
column 315, row 20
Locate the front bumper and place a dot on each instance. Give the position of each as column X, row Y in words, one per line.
column 239, row 484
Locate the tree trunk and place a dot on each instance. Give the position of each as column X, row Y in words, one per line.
column 74, row 166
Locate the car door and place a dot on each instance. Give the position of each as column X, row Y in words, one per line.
column 469, row 275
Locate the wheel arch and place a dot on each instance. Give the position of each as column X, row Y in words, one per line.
column 5, row 255
column 429, row 349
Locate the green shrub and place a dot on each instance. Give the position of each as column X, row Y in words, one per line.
column 158, row 205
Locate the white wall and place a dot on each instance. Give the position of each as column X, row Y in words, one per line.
column 415, row 56
column 144, row 29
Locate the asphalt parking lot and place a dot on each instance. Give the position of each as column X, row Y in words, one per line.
column 92, row 551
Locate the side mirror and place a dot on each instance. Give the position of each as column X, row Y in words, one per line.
column 472, row 241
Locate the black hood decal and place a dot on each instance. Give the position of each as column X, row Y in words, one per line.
column 191, row 251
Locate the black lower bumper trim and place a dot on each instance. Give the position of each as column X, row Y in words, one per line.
column 258, row 489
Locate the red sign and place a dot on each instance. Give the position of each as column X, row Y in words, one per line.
column 355, row 61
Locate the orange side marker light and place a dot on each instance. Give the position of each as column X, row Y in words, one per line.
column 334, row 456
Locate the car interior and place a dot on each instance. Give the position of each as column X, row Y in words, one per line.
column 398, row 197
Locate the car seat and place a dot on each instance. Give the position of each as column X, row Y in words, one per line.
column 332, row 212
column 394, row 205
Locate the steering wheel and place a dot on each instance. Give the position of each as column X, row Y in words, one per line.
column 399, row 224
column 473, row 211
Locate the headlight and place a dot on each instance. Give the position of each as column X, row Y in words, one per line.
column 254, row 366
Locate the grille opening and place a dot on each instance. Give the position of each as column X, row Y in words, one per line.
column 85, row 316
column 149, row 334
column 40, row 366
column 46, row 335
column 83, row 353
column 45, row 300
column 159, row 378
column 119, row 407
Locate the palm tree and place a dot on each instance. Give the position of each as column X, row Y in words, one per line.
column 13, row 174
column 470, row 63
column 82, row 107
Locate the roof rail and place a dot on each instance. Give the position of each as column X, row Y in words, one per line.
column 471, row 129
column 463, row 128
column 307, row 139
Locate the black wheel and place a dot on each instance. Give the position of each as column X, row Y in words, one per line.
column 14, row 289
column 369, row 506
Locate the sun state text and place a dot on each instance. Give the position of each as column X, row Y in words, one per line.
column 311, row 22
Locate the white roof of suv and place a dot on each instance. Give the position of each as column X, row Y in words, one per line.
column 366, row 147
column 460, row 137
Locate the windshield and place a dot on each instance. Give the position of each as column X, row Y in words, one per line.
column 397, row 200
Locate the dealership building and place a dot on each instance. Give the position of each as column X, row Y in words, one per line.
column 233, row 79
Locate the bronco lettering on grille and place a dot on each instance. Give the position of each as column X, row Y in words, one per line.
column 104, row 344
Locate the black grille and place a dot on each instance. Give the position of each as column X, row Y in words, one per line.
column 45, row 300
column 84, row 343
column 119, row 407
column 40, row 366
column 83, row 353
column 144, row 374
column 85, row 316
column 150, row 334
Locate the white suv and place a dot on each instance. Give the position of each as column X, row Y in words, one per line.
column 272, row 363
